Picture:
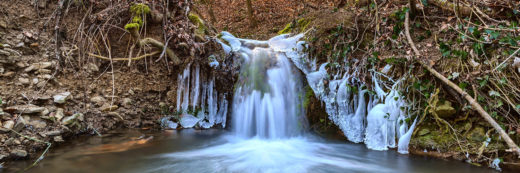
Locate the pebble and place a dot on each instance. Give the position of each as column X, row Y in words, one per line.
column 58, row 139
column 24, row 81
column 9, row 124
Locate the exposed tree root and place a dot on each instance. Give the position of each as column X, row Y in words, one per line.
column 513, row 147
column 125, row 59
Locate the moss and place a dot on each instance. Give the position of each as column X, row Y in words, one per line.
column 132, row 26
column 308, row 96
column 201, row 27
column 299, row 26
column 139, row 9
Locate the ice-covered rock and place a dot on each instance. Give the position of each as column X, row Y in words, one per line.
column 188, row 121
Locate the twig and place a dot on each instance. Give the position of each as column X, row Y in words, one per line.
column 510, row 56
column 513, row 147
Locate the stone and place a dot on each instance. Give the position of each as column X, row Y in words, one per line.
column 3, row 24
column 5, row 53
column 61, row 98
column 39, row 124
column 58, row 139
column 24, row 81
column 423, row 131
column 478, row 134
column 71, row 119
column 188, row 121
column 25, row 109
column 45, row 112
column 98, row 100
column 59, row 114
column 445, row 110
column 38, row 66
column 91, row 67
column 35, row 80
column 8, row 124
column 51, row 133
column 8, row 74
column 18, row 153
column 126, row 102
column 107, row 107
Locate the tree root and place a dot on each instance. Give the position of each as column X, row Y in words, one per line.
column 513, row 147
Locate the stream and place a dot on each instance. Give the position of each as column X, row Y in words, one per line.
column 220, row 151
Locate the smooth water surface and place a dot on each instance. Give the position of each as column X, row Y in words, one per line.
column 220, row 151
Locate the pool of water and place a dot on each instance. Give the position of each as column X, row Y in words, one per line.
column 220, row 151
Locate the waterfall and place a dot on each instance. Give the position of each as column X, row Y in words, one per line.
column 265, row 103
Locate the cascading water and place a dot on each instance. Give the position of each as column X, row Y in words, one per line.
column 269, row 122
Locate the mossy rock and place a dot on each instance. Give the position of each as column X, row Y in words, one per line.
column 445, row 110
column 202, row 29
column 423, row 131
column 139, row 9
column 477, row 134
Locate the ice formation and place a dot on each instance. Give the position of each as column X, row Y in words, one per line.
column 198, row 101
column 377, row 118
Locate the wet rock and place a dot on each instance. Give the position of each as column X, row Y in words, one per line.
column 26, row 109
column 61, row 98
column 71, row 119
column 107, row 107
column 8, row 124
column 445, row 110
column 24, row 81
column 58, row 139
column 18, row 153
column 98, row 100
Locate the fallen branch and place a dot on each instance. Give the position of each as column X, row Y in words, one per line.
column 125, row 59
column 513, row 147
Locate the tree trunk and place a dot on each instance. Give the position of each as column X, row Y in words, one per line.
column 250, row 13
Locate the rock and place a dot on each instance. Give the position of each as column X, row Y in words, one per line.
column 445, row 110
column 19, row 125
column 21, row 65
column 42, row 3
column 59, row 114
column 24, row 81
column 45, row 112
column 423, row 131
column 35, row 81
column 61, row 98
column 58, row 139
column 8, row 124
column 51, row 133
column 17, row 153
column 25, row 109
column 5, row 53
column 20, row 45
column 8, row 74
column 98, row 100
column 91, row 67
column 107, row 107
column 126, row 102
column 71, row 119
column 516, row 64
column 39, row 124
column 38, row 66
column 3, row 24
column 478, row 134
column 166, row 123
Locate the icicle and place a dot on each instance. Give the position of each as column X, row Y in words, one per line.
column 357, row 122
column 405, row 139
column 196, row 87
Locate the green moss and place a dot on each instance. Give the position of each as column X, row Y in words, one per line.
column 299, row 26
column 139, row 9
column 201, row 27
column 308, row 96
column 132, row 26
